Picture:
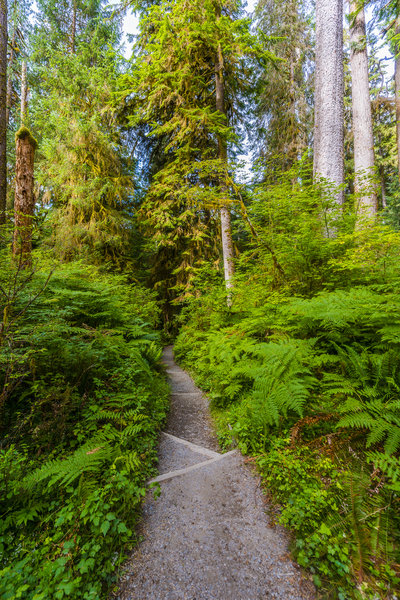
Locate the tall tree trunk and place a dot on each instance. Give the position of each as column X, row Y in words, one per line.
column 24, row 198
column 364, row 158
column 9, row 80
column 329, row 92
column 397, row 90
column 226, row 230
column 24, row 92
column 3, row 109
column 73, row 27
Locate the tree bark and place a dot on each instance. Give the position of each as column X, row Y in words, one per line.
column 73, row 27
column 329, row 93
column 9, row 80
column 3, row 109
column 225, row 216
column 24, row 198
column 364, row 158
column 397, row 90
column 24, row 92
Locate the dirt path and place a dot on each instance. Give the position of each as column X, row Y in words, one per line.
column 207, row 536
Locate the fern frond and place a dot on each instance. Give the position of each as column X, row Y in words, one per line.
column 359, row 420
column 87, row 459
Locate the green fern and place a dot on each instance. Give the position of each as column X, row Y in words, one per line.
column 130, row 460
column 281, row 382
column 390, row 467
column 366, row 394
column 87, row 459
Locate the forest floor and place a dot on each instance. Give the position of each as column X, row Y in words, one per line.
column 207, row 536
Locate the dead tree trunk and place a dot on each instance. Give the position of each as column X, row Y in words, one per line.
column 226, row 229
column 3, row 110
column 24, row 198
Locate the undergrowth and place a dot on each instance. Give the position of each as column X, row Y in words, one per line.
column 317, row 405
column 83, row 397
column 303, row 369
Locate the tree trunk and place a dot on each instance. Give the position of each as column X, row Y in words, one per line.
column 24, row 92
column 383, row 189
column 329, row 92
column 3, row 109
column 9, row 80
column 397, row 90
column 73, row 27
column 24, row 198
column 226, row 230
column 364, row 158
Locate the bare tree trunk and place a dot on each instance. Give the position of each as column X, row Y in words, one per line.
column 3, row 109
column 383, row 190
column 329, row 92
column 226, row 230
column 364, row 158
column 397, row 90
column 24, row 92
column 9, row 80
column 73, row 28
column 24, row 197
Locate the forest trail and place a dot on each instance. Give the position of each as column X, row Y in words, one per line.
column 207, row 536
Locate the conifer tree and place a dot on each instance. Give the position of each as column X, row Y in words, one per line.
column 3, row 108
column 226, row 227
column 11, row 63
column 285, row 93
column 19, row 24
column 83, row 169
column 188, row 51
column 387, row 13
column 64, row 24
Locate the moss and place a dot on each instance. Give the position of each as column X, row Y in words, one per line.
column 24, row 133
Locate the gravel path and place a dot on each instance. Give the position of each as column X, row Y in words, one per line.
column 207, row 536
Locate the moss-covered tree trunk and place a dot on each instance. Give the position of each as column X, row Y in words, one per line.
column 3, row 109
column 226, row 230
column 24, row 198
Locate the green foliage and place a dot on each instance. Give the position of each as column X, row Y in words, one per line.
column 309, row 506
column 80, row 426
column 303, row 371
column 343, row 527
column 372, row 401
column 84, row 168
column 172, row 90
column 283, row 107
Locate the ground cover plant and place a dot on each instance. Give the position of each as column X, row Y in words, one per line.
column 303, row 372
column 83, row 397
